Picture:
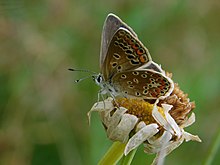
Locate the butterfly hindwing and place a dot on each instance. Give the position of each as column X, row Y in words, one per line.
column 146, row 84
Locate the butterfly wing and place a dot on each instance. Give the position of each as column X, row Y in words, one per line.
column 151, row 65
column 111, row 25
column 125, row 52
column 146, row 84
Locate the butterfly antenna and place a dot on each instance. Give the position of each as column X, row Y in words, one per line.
column 81, row 70
column 79, row 80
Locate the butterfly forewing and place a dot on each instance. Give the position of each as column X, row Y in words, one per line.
column 146, row 84
column 125, row 52
column 111, row 25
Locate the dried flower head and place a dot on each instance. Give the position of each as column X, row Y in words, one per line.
column 159, row 126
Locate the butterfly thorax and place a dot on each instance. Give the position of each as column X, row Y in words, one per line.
column 106, row 86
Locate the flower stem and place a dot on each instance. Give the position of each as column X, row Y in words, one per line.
column 114, row 154
column 213, row 151
column 126, row 160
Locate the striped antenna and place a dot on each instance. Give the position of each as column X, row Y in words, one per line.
column 82, row 70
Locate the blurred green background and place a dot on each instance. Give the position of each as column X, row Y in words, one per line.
column 43, row 114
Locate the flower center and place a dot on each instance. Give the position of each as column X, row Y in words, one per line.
column 139, row 108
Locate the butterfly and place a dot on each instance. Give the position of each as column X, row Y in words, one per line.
column 126, row 66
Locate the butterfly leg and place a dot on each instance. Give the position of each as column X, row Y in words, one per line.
column 99, row 93
column 114, row 99
column 103, row 99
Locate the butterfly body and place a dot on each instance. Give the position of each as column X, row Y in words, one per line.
column 106, row 86
column 126, row 66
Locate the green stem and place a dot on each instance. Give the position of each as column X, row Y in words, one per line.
column 213, row 150
column 126, row 160
column 114, row 154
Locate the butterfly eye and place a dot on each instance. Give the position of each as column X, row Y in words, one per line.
column 99, row 79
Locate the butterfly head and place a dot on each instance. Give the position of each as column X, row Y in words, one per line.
column 106, row 86
column 98, row 78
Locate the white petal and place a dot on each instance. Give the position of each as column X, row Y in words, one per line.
column 140, row 126
column 173, row 145
column 170, row 119
column 155, row 144
column 190, row 121
column 167, row 107
column 140, row 137
column 101, row 106
column 188, row 137
column 160, row 119
column 122, row 130
column 162, row 152
column 167, row 150
column 115, row 119
column 105, row 116
column 158, row 142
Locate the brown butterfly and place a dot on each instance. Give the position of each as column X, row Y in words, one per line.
column 126, row 65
